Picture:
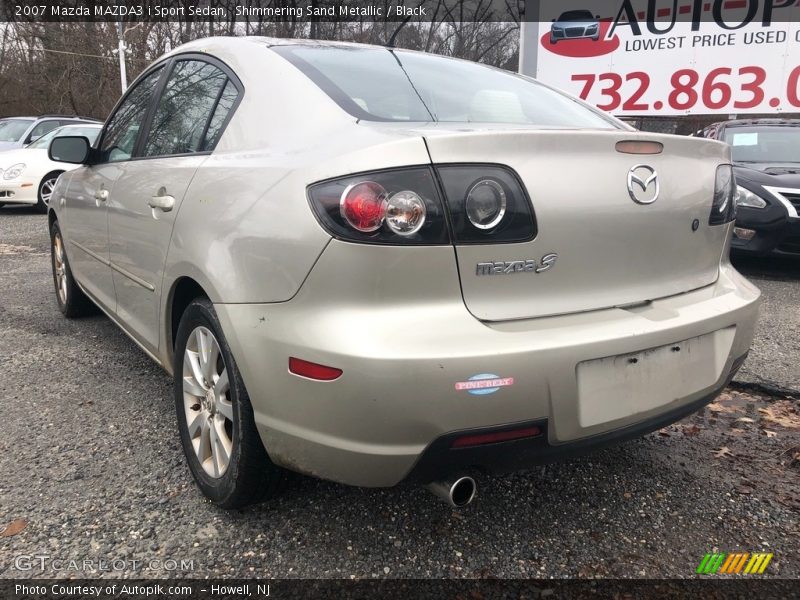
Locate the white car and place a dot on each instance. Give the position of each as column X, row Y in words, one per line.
column 19, row 132
column 27, row 175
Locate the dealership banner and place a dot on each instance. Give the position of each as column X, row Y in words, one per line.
column 675, row 57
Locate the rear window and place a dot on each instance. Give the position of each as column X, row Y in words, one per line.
column 12, row 130
column 378, row 84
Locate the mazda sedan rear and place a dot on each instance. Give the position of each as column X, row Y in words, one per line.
column 373, row 265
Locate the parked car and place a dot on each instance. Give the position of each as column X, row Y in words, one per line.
column 575, row 25
column 18, row 132
column 766, row 159
column 27, row 175
column 397, row 266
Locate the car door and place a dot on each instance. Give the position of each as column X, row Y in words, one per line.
column 183, row 127
column 83, row 211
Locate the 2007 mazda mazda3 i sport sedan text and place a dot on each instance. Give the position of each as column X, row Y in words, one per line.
column 373, row 265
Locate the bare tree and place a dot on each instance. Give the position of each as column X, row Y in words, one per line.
column 71, row 67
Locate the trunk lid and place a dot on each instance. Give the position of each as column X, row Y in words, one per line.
column 612, row 251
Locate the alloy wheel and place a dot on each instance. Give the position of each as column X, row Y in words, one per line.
column 46, row 191
column 206, row 399
column 60, row 267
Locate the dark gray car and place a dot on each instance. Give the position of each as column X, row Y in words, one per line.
column 766, row 163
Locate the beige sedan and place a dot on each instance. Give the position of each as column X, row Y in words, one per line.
column 372, row 265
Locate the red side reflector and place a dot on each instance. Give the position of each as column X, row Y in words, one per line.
column 492, row 438
column 636, row 147
column 313, row 370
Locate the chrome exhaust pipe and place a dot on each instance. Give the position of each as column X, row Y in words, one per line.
column 457, row 492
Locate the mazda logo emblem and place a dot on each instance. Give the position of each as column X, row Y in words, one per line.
column 643, row 185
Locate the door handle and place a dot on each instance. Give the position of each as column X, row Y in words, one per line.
column 101, row 195
column 165, row 202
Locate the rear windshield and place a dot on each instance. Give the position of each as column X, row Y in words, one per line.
column 378, row 84
column 11, row 130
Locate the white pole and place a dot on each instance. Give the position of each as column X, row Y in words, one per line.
column 529, row 38
column 123, row 73
column 523, row 38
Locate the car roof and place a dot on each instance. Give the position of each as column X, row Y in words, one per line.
column 236, row 44
column 239, row 42
column 42, row 117
column 758, row 122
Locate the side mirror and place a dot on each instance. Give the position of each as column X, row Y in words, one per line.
column 597, row 16
column 73, row 149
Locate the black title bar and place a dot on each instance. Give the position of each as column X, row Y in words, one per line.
column 729, row 14
column 709, row 588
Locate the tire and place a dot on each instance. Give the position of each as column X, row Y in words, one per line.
column 219, row 415
column 45, row 190
column 72, row 302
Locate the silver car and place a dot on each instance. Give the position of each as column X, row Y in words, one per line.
column 575, row 25
column 372, row 265
column 18, row 132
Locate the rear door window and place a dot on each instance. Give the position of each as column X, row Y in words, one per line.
column 220, row 115
column 42, row 128
column 191, row 110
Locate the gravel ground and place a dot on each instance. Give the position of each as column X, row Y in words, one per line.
column 92, row 468
column 773, row 361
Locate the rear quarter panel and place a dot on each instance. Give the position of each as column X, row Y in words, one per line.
column 245, row 231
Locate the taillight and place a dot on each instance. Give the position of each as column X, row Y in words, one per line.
column 363, row 206
column 405, row 213
column 400, row 206
column 487, row 204
column 723, row 208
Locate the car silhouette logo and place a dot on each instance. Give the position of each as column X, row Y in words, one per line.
column 575, row 25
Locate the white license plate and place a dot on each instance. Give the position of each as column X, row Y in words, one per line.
column 616, row 387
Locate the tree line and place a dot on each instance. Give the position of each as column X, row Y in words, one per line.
column 72, row 68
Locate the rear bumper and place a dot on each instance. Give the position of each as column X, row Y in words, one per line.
column 442, row 459
column 383, row 419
